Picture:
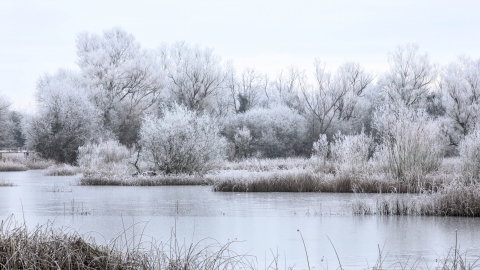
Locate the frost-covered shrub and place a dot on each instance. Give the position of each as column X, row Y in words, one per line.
column 320, row 148
column 351, row 153
column 412, row 144
column 278, row 131
column 242, row 142
column 182, row 142
column 469, row 149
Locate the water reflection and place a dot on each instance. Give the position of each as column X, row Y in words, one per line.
column 263, row 223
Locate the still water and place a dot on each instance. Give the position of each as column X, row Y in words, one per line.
column 262, row 223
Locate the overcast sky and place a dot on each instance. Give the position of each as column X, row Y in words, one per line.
column 38, row 37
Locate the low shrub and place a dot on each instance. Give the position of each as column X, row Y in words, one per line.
column 469, row 150
column 412, row 144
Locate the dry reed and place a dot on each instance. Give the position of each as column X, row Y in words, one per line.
column 61, row 170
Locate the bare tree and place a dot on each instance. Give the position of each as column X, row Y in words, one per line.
column 194, row 75
column 287, row 86
column 123, row 79
column 460, row 86
column 335, row 97
column 410, row 78
column 247, row 90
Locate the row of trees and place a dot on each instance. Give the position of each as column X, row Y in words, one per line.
column 118, row 83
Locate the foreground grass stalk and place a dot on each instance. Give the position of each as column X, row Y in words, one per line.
column 305, row 246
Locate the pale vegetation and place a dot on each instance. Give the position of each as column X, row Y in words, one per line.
column 181, row 114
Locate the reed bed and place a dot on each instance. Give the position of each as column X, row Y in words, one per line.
column 312, row 181
column 454, row 199
column 159, row 180
column 46, row 247
column 61, row 170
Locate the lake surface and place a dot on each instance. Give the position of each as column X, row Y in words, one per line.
column 262, row 223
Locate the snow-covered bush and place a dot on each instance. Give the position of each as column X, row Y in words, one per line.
column 412, row 144
column 350, row 153
column 278, row 131
column 182, row 142
column 469, row 149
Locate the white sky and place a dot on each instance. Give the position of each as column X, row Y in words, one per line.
column 38, row 37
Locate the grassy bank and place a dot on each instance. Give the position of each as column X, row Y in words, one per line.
column 47, row 247
column 129, row 180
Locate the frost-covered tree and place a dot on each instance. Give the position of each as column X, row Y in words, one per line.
column 278, row 131
column 247, row 90
column 16, row 119
column 124, row 80
column 460, row 86
column 5, row 122
column 410, row 78
column 194, row 75
column 65, row 118
column 469, row 149
column 182, row 141
column 286, row 88
column 242, row 140
column 336, row 97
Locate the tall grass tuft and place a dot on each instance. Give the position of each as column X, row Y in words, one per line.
column 469, row 149
column 105, row 160
column 61, row 170
column 412, row 144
